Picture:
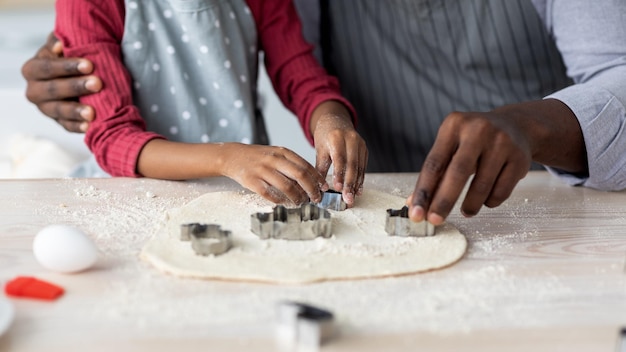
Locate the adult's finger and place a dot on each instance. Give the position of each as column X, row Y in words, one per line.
column 73, row 116
column 52, row 48
column 427, row 182
column 432, row 172
column 38, row 68
column 507, row 180
column 60, row 89
column 461, row 167
column 481, row 186
column 53, row 44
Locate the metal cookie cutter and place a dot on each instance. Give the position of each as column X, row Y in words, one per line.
column 399, row 224
column 304, row 223
column 621, row 341
column 303, row 325
column 206, row 239
column 332, row 200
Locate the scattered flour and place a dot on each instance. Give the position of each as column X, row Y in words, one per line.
column 472, row 295
column 119, row 222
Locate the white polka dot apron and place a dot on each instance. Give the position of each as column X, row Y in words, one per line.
column 194, row 66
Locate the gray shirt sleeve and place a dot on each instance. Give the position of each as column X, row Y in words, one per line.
column 591, row 36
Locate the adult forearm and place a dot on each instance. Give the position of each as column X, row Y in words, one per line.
column 553, row 131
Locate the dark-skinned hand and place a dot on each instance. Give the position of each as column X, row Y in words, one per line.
column 55, row 82
column 495, row 150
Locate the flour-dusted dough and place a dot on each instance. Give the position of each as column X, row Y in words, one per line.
column 359, row 248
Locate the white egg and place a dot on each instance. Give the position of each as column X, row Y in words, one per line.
column 64, row 249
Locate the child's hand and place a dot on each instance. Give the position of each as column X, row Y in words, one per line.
column 337, row 142
column 276, row 173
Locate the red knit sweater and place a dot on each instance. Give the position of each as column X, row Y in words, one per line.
column 93, row 29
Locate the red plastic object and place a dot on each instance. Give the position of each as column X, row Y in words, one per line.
column 30, row 287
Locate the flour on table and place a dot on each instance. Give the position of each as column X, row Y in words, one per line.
column 359, row 248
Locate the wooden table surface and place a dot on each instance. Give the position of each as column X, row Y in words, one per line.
column 543, row 272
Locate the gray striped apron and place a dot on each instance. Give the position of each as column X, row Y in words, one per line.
column 406, row 64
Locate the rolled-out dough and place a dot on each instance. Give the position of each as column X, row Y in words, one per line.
column 359, row 248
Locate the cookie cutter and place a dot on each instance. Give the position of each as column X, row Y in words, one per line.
column 621, row 341
column 206, row 239
column 303, row 325
column 399, row 224
column 303, row 223
column 332, row 200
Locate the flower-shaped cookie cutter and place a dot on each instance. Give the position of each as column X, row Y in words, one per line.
column 206, row 239
column 303, row 223
column 399, row 224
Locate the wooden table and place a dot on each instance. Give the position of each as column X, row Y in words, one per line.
column 543, row 272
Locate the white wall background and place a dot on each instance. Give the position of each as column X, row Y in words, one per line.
column 22, row 32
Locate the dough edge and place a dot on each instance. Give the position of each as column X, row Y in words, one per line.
column 449, row 246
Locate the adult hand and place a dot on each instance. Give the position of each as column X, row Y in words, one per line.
column 339, row 144
column 496, row 147
column 276, row 173
column 54, row 83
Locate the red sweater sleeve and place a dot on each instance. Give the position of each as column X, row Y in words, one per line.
column 93, row 29
column 298, row 79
